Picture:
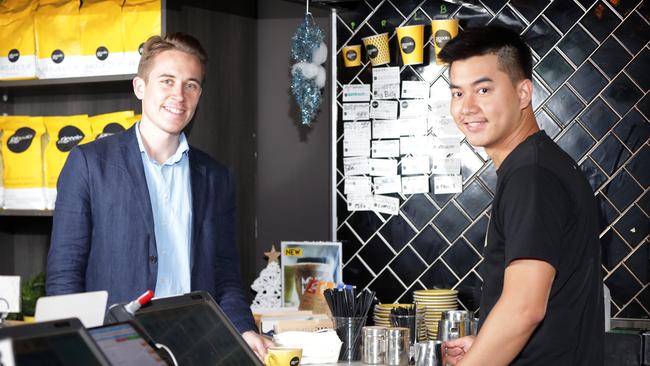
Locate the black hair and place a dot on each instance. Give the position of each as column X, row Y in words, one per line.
column 514, row 56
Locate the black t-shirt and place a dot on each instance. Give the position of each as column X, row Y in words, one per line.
column 544, row 209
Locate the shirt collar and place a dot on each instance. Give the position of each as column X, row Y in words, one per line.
column 183, row 147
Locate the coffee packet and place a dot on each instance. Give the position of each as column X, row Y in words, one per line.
column 64, row 133
column 17, row 43
column 58, row 43
column 141, row 19
column 101, row 37
column 22, row 162
column 108, row 124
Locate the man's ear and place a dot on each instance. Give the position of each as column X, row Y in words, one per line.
column 138, row 87
column 525, row 93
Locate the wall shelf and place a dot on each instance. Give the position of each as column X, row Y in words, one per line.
column 43, row 213
column 73, row 80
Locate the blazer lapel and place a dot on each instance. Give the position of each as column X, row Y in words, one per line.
column 132, row 160
column 199, row 186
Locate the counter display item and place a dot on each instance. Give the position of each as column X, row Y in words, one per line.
column 22, row 162
column 17, row 43
column 104, row 125
column 64, row 134
column 101, row 38
column 140, row 19
column 58, row 42
column 303, row 261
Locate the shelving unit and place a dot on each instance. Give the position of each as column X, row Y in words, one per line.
column 66, row 81
column 43, row 213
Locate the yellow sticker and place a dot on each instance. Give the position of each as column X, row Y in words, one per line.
column 293, row 252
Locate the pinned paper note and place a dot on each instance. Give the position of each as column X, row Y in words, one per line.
column 356, row 147
column 390, row 184
column 356, row 111
column 385, row 75
column 356, row 166
column 415, row 184
column 357, row 186
column 361, row 203
column 445, row 184
column 382, row 167
column 445, row 147
column 386, row 129
column 387, row 205
column 385, row 91
column 415, row 89
column 357, row 130
column 413, row 127
column 385, row 149
column 447, row 166
column 409, row 108
column 412, row 165
column 356, row 93
column 383, row 109
column 416, row 145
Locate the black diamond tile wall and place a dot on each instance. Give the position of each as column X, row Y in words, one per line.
column 429, row 244
column 633, row 33
column 633, row 226
column 577, row 45
column 590, row 95
column 622, row 94
column 637, row 70
column 633, row 130
column 563, row 14
column 408, row 266
column 588, row 81
column 611, row 57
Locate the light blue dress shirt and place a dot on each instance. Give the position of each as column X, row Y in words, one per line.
column 171, row 202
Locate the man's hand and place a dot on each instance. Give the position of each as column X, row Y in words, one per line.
column 457, row 348
column 258, row 343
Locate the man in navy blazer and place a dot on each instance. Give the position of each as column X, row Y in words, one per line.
column 142, row 206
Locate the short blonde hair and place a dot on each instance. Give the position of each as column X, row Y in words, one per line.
column 155, row 45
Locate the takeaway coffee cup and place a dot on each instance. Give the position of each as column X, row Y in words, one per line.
column 377, row 49
column 351, row 55
column 410, row 40
column 283, row 356
column 442, row 31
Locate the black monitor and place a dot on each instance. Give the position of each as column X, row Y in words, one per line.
column 197, row 331
column 60, row 342
column 126, row 343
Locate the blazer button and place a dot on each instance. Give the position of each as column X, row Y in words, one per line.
column 153, row 259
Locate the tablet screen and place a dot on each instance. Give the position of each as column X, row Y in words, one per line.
column 60, row 342
column 123, row 345
column 63, row 349
column 196, row 331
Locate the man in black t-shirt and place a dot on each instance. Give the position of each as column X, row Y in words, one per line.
column 542, row 300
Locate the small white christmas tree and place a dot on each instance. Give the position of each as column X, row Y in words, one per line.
column 269, row 284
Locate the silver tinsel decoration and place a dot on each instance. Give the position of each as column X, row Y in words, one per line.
column 307, row 41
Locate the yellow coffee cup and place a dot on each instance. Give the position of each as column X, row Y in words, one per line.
column 283, row 356
column 377, row 49
column 410, row 39
column 351, row 55
column 442, row 31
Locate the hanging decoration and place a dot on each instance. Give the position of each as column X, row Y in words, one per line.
column 308, row 77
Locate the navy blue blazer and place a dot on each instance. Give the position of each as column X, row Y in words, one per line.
column 103, row 231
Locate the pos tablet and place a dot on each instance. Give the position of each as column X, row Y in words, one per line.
column 197, row 331
column 59, row 342
column 127, row 344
